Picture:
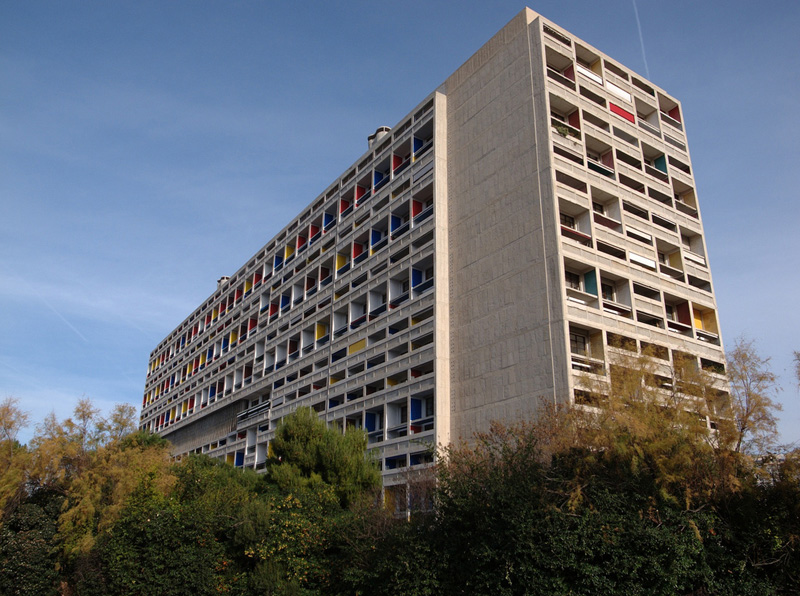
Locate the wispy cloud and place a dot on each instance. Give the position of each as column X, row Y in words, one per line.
column 87, row 299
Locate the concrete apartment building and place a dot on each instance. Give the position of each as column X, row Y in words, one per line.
column 529, row 220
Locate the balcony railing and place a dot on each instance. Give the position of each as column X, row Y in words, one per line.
column 584, row 363
column 574, row 234
column 600, row 168
column 654, row 130
column 671, row 121
column 400, row 230
column 424, row 286
column 565, row 129
column 656, row 173
column 558, row 77
column 687, row 209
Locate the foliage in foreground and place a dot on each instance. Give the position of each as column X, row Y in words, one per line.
column 635, row 497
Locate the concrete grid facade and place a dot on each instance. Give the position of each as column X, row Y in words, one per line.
column 526, row 224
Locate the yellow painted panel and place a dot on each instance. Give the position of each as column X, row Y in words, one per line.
column 230, row 458
column 248, row 285
column 709, row 321
column 357, row 347
column 234, row 336
column 698, row 319
column 675, row 260
column 334, row 380
column 322, row 330
column 391, row 382
column 185, row 407
column 341, row 261
column 289, row 250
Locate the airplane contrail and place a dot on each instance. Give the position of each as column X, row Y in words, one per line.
column 641, row 39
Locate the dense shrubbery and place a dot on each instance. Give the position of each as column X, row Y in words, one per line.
column 633, row 498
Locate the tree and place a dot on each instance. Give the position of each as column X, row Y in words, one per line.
column 797, row 366
column 28, row 547
column 753, row 391
column 305, row 452
column 96, row 497
column 13, row 456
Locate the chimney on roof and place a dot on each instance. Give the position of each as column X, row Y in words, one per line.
column 381, row 132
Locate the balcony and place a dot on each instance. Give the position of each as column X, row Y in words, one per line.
column 695, row 258
column 687, row 209
column 656, row 173
column 400, row 230
column 423, row 215
column 398, row 300
column 584, row 363
column 654, row 130
column 373, row 314
column 671, row 121
column 600, row 168
column 565, row 129
column 607, row 222
column 574, row 234
column 616, row 308
column 380, row 244
column 560, row 78
column 357, row 322
column 423, row 287
column 707, row 336
column 678, row 327
column 671, row 272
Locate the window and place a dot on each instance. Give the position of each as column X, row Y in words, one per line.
column 573, row 280
column 609, row 292
column 670, row 312
column 577, row 343
column 598, row 208
column 568, row 221
column 662, row 258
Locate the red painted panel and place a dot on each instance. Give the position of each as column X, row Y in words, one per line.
column 569, row 72
column 343, row 205
column 683, row 313
column 675, row 113
column 621, row 112
column 357, row 249
column 574, row 120
column 416, row 207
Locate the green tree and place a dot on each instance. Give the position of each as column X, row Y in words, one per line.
column 157, row 547
column 28, row 547
column 305, row 452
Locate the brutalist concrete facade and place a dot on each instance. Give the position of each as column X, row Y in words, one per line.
column 524, row 227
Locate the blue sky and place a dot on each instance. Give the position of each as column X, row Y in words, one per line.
column 147, row 148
